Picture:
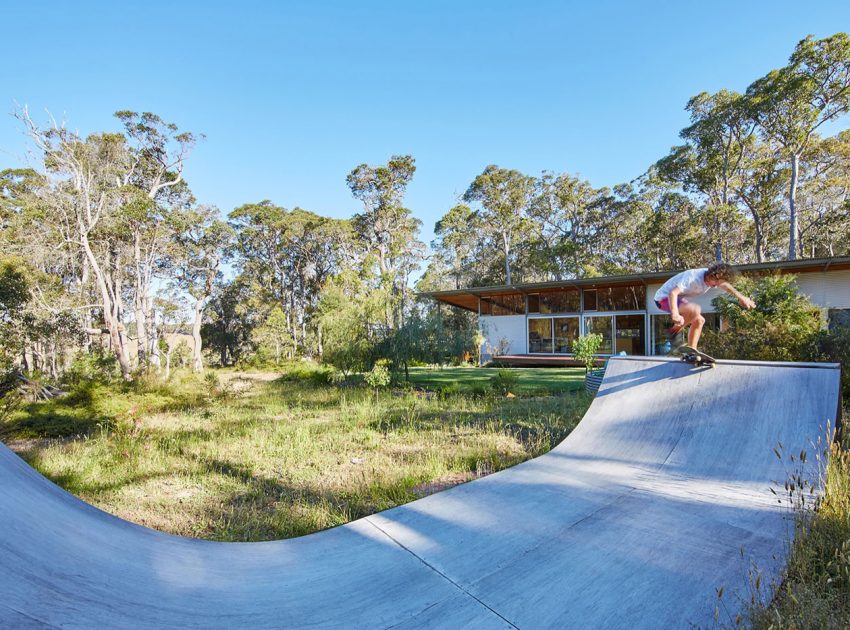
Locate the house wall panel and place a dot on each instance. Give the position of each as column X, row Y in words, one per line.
column 830, row 289
column 510, row 327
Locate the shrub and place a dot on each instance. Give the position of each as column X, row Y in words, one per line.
column 379, row 376
column 97, row 366
column 585, row 347
column 833, row 346
column 782, row 326
column 504, row 381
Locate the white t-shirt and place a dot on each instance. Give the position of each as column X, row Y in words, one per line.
column 690, row 282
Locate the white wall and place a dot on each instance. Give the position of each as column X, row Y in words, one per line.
column 830, row 289
column 510, row 327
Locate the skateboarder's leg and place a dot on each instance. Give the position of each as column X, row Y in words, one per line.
column 693, row 318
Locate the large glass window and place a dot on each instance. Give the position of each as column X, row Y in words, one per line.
column 566, row 332
column 631, row 298
column 507, row 304
column 630, row 334
column 662, row 343
column 590, row 300
column 540, row 334
column 602, row 325
column 562, row 301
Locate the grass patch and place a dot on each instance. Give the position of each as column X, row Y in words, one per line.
column 528, row 381
column 816, row 590
column 282, row 458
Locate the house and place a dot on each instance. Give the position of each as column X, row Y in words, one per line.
column 537, row 323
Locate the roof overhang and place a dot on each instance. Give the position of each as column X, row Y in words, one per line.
column 468, row 298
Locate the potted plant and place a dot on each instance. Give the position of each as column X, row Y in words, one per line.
column 585, row 349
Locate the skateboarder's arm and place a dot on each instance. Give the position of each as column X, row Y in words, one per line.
column 743, row 300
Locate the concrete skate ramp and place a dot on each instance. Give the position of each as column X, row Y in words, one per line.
column 660, row 497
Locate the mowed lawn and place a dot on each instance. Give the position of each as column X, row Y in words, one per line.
column 529, row 381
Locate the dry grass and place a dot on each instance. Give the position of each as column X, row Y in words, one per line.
column 275, row 459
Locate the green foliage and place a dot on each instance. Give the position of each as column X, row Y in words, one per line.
column 306, row 371
column 833, row 346
column 379, row 376
column 14, row 294
column 345, row 313
column 272, row 338
column 505, row 381
column 14, row 287
column 95, row 366
column 230, row 318
column 10, row 398
column 782, row 327
column 585, row 349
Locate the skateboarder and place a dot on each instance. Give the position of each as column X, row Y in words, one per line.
column 671, row 297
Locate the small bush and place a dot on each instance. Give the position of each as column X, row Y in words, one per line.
column 586, row 347
column 96, row 365
column 450, row 390
column 833, row 346
column 379, row 376
column 504, row 381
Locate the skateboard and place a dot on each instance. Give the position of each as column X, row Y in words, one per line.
column 691, row 355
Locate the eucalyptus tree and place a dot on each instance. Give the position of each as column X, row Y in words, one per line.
column 573, row 217
column 456, row 242
column 386, row 229
column 204, row 242
column 760, row 189
column 81, row 206
column 792, row 103
column 824, row 198
column 172, row 319
column 505, row 197
column 710, row 163
column 274, row 333
column 14, row 295
column 231, row 315
column 154, row 187
column 290, row 254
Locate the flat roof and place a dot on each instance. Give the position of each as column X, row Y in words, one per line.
column 468, row 298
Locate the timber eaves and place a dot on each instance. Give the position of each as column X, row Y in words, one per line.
column 786, row 266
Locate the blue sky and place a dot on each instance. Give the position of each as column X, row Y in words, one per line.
column 293, row 95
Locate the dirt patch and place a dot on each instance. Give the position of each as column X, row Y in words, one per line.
column 444, row 483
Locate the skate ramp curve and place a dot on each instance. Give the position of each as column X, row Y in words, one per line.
column 659, row 498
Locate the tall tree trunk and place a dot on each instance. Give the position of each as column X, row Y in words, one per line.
column 155, row 355
column 197, row 361
column 168, row 362
column 792, row 207
column 321, row 349
column 507, row 256
column 139, row 303
column 110, row 311
column 87, row 323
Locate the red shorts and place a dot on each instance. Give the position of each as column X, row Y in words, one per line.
column 664, row 304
